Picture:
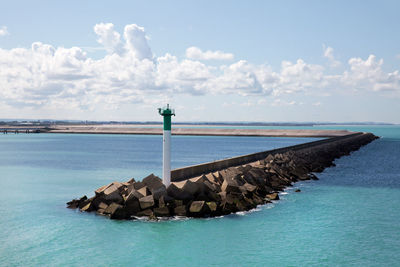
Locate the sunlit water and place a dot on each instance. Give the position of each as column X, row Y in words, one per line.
column 350, row 217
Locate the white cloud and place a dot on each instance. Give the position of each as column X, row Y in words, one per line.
column 196, row 53
column 136, row 41
column 3, row 31
column 279, row 102
column 110, row 39
column 47, row 76
column 328, row 53
column 369, row 75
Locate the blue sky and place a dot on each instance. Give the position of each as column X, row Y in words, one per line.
column 212, row 60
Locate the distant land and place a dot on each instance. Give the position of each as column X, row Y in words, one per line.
column 46, row 122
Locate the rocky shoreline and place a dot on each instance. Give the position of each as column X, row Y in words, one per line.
column 239, row 188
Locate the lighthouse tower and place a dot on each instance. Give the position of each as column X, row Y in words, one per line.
column 167, row 113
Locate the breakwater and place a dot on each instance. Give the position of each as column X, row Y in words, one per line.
column 223, row 187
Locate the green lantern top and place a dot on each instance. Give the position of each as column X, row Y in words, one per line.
column 166, row 112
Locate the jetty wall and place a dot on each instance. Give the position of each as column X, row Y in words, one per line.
column 185, row 173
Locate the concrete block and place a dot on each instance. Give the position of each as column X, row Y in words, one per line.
column 146, row 202
column 161, row 212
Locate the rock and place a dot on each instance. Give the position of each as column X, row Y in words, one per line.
column 112, row 208
column 111, row 194
column 257, row 200
column 168, row 200
column 248, row 187
column 180, row 210
column 153, row 217
column 143, row 191
column 312, row 176
column 273, row 196
column 177, row 193
column 191, row 187
column 146, row 202
column 84, row 201
column 178, row 202
column 132, row 206
column 297, row 190
column 230, row 173
column 160, row 192
column 218, row 177
column 197, row 208
column 269, row 158
column 146, row 212
column 100, row 211
column 212, row 206
column 222, row 195
column 134, row 195
column 210, row 177
column 88, row 207
column 102, row 205
column 213, row 196
column 131, row 181
column 153, row 183
column 161, row 212
column 73, row 204
column 209, row 186
column 120, row 214
column 138, row 185
column 101, row 189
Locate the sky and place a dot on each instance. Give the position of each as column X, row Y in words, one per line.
column 265, row 61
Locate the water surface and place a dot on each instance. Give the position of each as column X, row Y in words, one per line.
column 350, row 217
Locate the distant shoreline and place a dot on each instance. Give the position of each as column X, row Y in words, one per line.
column 157, row 130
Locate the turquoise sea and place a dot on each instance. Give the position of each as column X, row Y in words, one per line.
column 350, row 217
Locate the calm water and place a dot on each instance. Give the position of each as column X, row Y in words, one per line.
column 350, row 217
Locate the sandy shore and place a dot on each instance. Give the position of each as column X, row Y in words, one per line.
column 123, row 129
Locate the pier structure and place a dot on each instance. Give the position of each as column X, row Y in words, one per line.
column 18, row 130
column 167, row 113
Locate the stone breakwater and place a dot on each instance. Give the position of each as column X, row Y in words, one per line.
column 229, row 190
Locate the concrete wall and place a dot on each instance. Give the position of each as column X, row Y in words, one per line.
column 196, row 170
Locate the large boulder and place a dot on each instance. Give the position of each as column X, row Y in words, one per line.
column 199, row 209
column 193, row 188
column 84, row 202
column 112, row 194
column 180, row 210
column 177, row 193
column 248, row 188
column 132, row 206
column 146, row 212
column 212, row 206
column 144, row 191
column 160, row 192
column 153, row 182
column 230, row 185
column 134, row 194
column 210, row 177
column 161, row 212
column 75, row 203
column 112, row 208
column 273, row 196
column 229, row 173
column 88, row 207
column 120, row 214
column 138, row 185
column 146, row 202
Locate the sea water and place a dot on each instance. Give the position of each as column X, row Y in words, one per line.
column 350, row 217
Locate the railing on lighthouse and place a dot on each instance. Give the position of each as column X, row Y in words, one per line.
column 167, row 113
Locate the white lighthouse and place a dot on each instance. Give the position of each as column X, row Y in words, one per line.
column 167, row 113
